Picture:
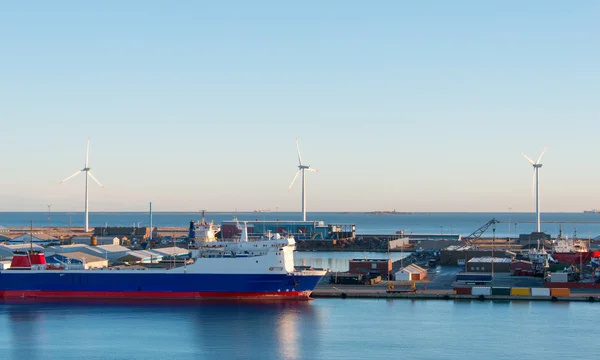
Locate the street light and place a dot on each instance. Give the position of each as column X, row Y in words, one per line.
column 509, row 216
column 49, row 206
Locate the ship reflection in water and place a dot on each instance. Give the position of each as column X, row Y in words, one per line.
column 206, row 330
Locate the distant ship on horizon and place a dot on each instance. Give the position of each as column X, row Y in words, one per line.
column 393, row 212
column 592, row 211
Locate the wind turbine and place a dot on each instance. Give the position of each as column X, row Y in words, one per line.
column 88, row 171
column 536, row 184
column 302, row 169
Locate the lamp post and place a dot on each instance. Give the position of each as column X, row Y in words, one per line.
column 49, row 206
column 509, row 216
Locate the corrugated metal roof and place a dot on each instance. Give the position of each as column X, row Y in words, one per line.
column 170, row 251
column 72, row 248
column 24, row 247
column 86, row 257
column 144, row 254
column 112, row 248
column 414, row 269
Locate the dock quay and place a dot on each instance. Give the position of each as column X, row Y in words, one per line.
column 380, row 292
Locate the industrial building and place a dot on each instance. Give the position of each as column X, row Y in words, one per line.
column 65, row 249
column 486, row 264
column 459, row 255
column 301, row 230
column 120, row 231
column 99, row 240
column 77, row 261
column 141, row 256
column 112, row 252
column 36, row 238
column 6, row 251
column 411, row 272
column 374, row 266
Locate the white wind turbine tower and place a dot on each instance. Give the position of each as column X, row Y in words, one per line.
column 302, row 168
column 536, row 183
column 88, row 171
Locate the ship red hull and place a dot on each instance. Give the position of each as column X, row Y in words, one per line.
column 153, row 295
column 573, row 258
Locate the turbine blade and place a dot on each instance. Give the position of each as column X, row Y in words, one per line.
column 76, row 173
column 297, row 173
column 96, row 180
column 528, row 159
column 298, row 147
column 543, row 152
column 313, row 170
column 87, row 152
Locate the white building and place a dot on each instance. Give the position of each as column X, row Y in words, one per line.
column 112, row 252
column 410, row 273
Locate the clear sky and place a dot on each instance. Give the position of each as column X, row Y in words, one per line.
column 413, row 106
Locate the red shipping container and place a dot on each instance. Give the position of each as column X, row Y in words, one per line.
column 462, row 290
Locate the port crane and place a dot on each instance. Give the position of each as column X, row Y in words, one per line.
column 477, row 233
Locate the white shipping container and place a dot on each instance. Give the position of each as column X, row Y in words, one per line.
column 559, row 277
column 480, row 290
column 540, row 292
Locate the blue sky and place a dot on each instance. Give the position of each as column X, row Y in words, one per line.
column 420, row 106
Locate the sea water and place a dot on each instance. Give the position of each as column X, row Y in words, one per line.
column 582, row 225
column 318, row 329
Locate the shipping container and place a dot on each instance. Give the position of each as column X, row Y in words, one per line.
column 462, row 290
column 559, row 277
column 480, row 290
column 560, row 292
column 520, row 291
column 540, row 292
column 501, row 291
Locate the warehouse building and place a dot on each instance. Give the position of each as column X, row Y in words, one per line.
column 486, row 264
column 411, row 272
column 141, row 256
column 37, row 238
column 77, row 261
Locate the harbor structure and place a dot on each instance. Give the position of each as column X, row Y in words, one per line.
column 301, row 230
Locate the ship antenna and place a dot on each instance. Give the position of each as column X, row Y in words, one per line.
column 31, row 235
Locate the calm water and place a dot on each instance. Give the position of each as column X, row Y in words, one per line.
column 320, row 329
column 419, row 223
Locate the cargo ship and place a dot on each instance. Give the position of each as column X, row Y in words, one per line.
column 564, row 251
column 572, row 251
column 237, row 268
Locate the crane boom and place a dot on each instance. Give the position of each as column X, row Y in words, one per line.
column 477, row 233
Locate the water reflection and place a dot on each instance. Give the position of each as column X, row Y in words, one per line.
column 227, row 330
